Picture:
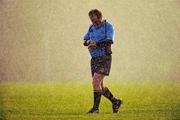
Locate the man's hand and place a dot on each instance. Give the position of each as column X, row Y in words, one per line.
column 91, row 44
column 88, row 42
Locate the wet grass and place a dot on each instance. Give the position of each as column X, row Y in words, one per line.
column 71, row 100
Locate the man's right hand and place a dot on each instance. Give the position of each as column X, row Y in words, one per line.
column 88, row 42
column 91, row 44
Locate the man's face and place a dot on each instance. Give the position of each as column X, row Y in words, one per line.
column 94, row 19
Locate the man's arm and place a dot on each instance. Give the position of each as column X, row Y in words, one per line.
column 87, row 37
column 107, row 45
column 104, row 43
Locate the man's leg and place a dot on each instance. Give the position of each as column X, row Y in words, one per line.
column 107, row 93
column 116, row 103
column 97, row 78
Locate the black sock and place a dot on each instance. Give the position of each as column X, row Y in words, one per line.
column 97, row 99
column 107, row 93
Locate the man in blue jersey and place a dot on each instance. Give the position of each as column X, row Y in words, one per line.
column 98, row 39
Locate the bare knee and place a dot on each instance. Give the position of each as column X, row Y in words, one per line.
column 97, row 81
column 96, row 84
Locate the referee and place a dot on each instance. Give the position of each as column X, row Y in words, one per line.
column 98, row 40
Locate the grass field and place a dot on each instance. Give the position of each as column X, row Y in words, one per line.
column 71, row 100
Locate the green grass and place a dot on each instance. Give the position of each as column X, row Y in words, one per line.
column 71, row 100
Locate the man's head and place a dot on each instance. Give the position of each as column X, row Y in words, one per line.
column 95, row 16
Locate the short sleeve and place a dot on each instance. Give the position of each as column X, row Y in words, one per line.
column 86, row 36
column 110, row 32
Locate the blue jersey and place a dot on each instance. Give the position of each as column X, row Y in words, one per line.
column 99, row 34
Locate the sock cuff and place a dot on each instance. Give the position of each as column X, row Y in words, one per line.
column 105, row 89
column 98, row 91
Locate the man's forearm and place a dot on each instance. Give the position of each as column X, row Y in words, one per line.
column 107, row 45
column 104, row 43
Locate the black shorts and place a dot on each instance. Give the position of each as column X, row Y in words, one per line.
column 101, row 65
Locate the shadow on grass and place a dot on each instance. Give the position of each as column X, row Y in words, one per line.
column 52, row 113
column 165, row 114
